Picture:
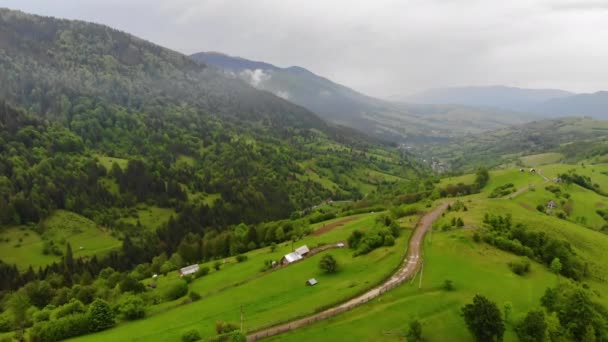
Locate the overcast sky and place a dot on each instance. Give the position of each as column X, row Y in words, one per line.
column 381, row 47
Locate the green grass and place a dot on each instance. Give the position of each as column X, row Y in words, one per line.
column 537, row 160
column 24, row 253
column 474, row 269
column 151, row 217
column 108, row 162
column 273, row 297
column 61, row 227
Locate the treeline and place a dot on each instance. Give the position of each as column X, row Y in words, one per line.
column 482, row 176
column 519, row 239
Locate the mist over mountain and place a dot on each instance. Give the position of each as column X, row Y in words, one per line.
column 508, row 98
column 393, row 121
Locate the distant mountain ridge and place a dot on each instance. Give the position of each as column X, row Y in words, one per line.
column 547, row 103
column 509, row 98
column 398, row 122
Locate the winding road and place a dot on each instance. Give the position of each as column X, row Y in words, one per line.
column 409, row 267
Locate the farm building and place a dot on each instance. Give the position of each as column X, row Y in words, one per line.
column 303, row 250
column 532, row 170
column 340, row 245
column 311, row 282
column 291, row 257
column 188, row 270
column 296, row 255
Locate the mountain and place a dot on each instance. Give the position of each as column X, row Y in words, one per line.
column 576, row 138
column 47, row 56
column 77, row 96
column 507, row 98
column 594, row 105
column 392, row 121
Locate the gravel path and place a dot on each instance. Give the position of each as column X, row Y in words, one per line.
column 410, row 265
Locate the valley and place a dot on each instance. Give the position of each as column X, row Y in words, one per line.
column 148, row 194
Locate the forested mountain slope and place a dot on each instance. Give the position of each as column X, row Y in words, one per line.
column 101, row 123
column 391, row 121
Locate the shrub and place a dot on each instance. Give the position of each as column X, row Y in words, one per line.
column 177, row 290
column 448, row 285
column 203, row 271
column 520, row 267
column 6, row 322
column 73, row 307
column 328, row 263
column 241, row 258
column 389, row 240
column 222, row 327
column 130, row 284
column 60, row 329
column 217, row 265
column 476, row 237
column 191, row 336
column 132, row 307
column 100, row 315
column 194, row 296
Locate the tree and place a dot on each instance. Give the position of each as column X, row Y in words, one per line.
column 191, row 336
column 448, row 285
column 132, row 307
column 68, row 263
column 507, row 309
column 483, row 319
column 100, row 315
column 19, row 303
column 589, row 335
column 414, row 332
column 328, row 263
column 533, row 327
column 556, row 266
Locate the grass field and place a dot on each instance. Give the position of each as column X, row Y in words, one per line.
column 108, row 162
column 26, row 252
column 64, row 226
column 279, row 295
column 151, row 217
column 473, row 268
column 61, row 227
column 537, row 160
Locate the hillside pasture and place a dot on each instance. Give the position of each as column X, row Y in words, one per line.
column 473, row 268
column 279, row 295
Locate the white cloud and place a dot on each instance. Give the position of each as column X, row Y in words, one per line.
column 255, row 77
column 381, row 47
column 283, row 94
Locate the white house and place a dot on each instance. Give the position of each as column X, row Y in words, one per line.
column 188, row 270
column 303, row 250
column 291, row 257
column 311, row 282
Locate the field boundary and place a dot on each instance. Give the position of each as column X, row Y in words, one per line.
column 408, row 267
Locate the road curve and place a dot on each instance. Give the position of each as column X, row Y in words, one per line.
column 410, row 265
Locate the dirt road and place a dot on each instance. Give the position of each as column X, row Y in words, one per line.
column 410, row 265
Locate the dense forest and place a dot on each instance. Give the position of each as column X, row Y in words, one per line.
column 238, row 167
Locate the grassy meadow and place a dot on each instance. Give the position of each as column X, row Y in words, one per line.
column 266, row 298
column 473, row 269
column 24, row 246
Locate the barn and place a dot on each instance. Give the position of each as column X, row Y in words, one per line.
column 188, row 270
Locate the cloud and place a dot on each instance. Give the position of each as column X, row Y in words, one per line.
column 255, row 77
column 382, row 47
column 283, row 94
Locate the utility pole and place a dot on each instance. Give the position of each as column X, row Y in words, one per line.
column 242, row 318
column 421, row 271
